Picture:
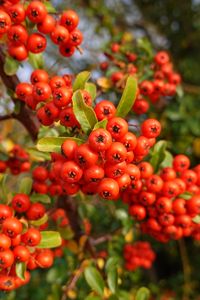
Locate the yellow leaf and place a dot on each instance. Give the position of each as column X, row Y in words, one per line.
column 71, row 294
column 104, row 83
column 107, row 292
column 128, row 37
column 129, row 236
column 7, row 144
column 100, row 263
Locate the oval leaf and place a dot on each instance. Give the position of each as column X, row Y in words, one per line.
column 84, row 113
column 50, row 239
column 40, row 222
column 49, row 7
column 38, row 155
column 168, row 160
column 112, row 280
column 91, row 89
column 196, row 219
column 101, row 124
column 53, row 144
column 80, row 81
column 93, row 298
column 36, row 60
column 94, row 280
column 142, row 294
column 128, row 97
column 111, row 263
column 185, row 195
column 20, row 269
column 11, row 66
column 40, row 198
column 26, row 185
column 158, row 155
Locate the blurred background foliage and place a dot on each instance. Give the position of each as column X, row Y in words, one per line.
column 171, row 25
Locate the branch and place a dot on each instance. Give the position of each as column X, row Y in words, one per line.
column 190, row 88
column 25, row 116
column 70, row 285
column 7, row 117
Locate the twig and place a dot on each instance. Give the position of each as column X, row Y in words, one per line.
column 101, row 239
column 70, row 285
column 190, row 88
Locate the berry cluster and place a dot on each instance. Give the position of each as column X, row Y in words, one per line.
column 22, row 38
column 138, row 255
column 50, row 97
column 104, row 165
column 166, row 204
column 160, row 79
column 17, row 162
column 19, row 240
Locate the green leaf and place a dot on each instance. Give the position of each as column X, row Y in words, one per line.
column 186, row 195
column 39, row 222
column 91, row 89
column 111, row 263
column 84, row 113
column 122, row 295
column 179, row 91
column 128, row 97
column 121, row 214
column 40, row 198
column 93, row 298
column 11, row 66
column 196, row 219
column 142, row 294
column 3, row 187
column 113, row 297
column 112, row 279
column 80, row 81
column 38, row 155
column 101, row 124
column 26, row 185
column 158, row 155
column 94, row 280
column 145, row 45
column 53, row 144
column 49, row 7
column 168, row 159
column 66, row 233
column 50, row 239
column 20, row 269
column 36, row 60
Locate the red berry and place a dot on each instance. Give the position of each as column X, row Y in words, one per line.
column 12, row 227
column 36, row 11
column 21, row 203
column 108, row 189
column 36, row 43
column 69, row 19
column 71, row 172
column 151, row 128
